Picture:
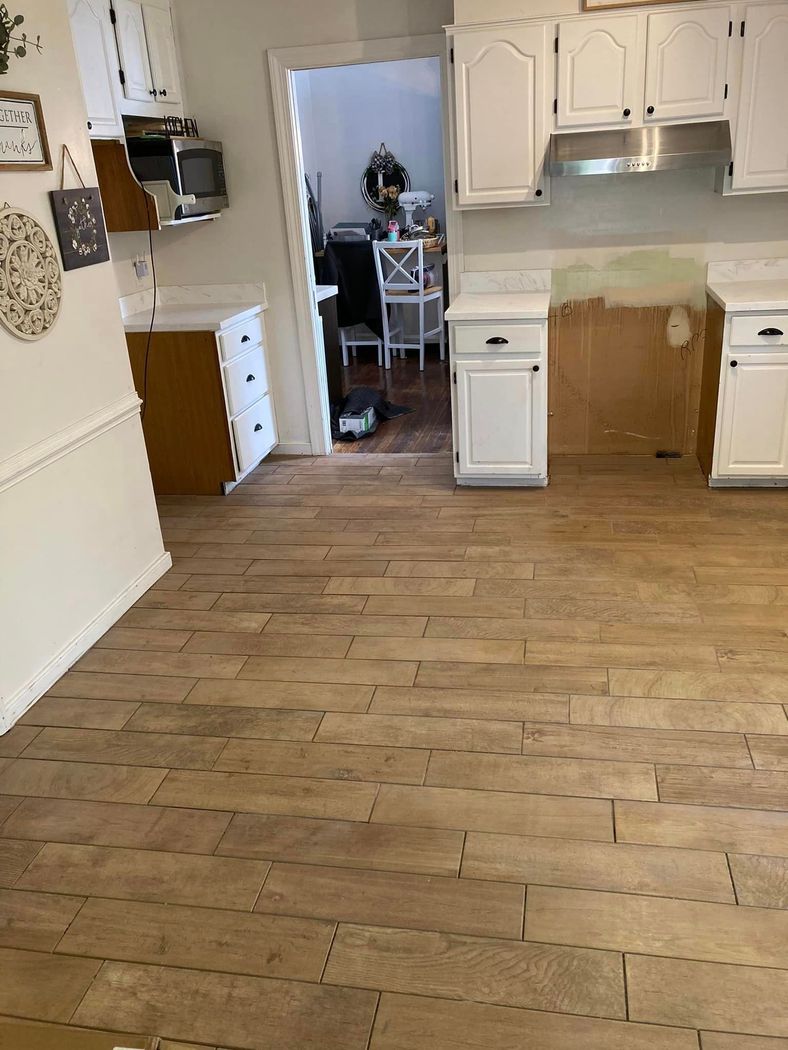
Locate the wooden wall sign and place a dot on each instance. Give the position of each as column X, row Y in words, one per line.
column 23, row 136
column 79, row 221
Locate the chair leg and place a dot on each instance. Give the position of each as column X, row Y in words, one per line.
column 380, row 354
column 343, row 343
column 386, row 337
column 421, row 336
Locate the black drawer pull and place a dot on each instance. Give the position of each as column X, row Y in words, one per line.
column 536, row 368
column 770, row 331
column 258, row 426
column 734, row 364
column 250, row 378
column 245, row 338
column 497, row 340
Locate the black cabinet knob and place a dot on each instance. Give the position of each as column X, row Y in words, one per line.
column 258, row 426
column 90, row 125
column 539, row 193
column 153, row 92
column 770, row 331
column 650, row 110
column 497, row 340
column 163, row 92
column 245, row 338
column 536, row 368
column 734, row 364
column 627, row 112
column 250, row 378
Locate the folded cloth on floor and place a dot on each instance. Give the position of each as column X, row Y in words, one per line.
column 360, row 399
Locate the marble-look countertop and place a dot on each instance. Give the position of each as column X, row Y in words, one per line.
column 191, row 317
column 751, row 296
column 325, row 291
column 499, row 306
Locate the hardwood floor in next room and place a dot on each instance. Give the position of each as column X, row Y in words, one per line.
column 383, row 764
column 427, row 428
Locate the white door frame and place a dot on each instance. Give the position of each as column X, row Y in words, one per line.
column 283, row 63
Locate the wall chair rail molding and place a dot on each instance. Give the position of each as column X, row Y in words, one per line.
column 39, row 456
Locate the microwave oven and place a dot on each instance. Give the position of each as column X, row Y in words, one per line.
column 190, row 166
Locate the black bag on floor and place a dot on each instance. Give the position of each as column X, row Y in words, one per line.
column 359, row 400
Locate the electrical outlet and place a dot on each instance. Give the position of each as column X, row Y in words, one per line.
column 141, row 267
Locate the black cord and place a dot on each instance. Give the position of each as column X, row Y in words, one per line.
column 144, row 392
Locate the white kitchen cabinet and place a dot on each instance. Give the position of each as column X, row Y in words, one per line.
column 501, row 121
column 97, row 60
column 133, row 51
column 502, row 416
column 753, row 425
column 686, row 63
column 161, row 52
column 760, row 157
column 599, row 71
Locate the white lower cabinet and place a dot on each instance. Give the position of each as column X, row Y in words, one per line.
column 499, row 373
column 753, row 422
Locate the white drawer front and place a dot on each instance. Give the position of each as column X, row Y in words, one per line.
column 246, row 380
column 243, row 337
column 500, row 338
column 759, row 330
column 255, row 433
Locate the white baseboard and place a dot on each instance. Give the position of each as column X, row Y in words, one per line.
column 293, row 448
column 17, row 703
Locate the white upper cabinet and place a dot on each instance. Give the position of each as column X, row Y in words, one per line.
column 501, row 102
column 686, row 63
column 97, row 59
column 161, row 51
column 760, row 158
column 133, row 51
column 599, row 78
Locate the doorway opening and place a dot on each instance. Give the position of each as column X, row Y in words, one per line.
column 370, row 147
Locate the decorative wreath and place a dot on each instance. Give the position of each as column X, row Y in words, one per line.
column 31, row 282
column 383, row 170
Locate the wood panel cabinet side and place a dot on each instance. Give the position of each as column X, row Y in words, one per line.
column 710, row 384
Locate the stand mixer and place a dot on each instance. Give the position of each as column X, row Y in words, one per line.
column 412, row 200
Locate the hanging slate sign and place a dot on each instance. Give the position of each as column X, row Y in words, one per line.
column 81, row 233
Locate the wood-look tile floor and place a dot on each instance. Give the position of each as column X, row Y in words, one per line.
column 383, row 764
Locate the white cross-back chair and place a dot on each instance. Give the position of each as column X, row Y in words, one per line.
column 400, row 269
column 359, row 335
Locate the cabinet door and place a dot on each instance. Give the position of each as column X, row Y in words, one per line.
column 161, row 51
column 133, row 50
column 599, row 71
column 97, row 59
column 686, row 62
column 753, row 428
column 760, row 157
column 499, row 84
column 502, row 417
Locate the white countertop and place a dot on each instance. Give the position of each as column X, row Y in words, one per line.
column 191, row 317
column 499, row 306
column 325, row 291
column 736, row 296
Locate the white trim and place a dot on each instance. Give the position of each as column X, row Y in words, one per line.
column 292, row 448
column 17, row 703
column 283, row 63
column 30, row 460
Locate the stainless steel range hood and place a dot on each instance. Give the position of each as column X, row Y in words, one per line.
column 653, row 148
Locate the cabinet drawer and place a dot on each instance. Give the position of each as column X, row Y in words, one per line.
column 255, row 433
column 242, row 337
column 500, row 338
column 751, row 330
column 246, row 380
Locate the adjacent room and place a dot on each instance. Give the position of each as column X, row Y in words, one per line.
column 393, row 517
column 355, row 190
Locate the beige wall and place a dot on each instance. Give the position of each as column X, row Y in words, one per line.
column 78, row 522
column 225, row 67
